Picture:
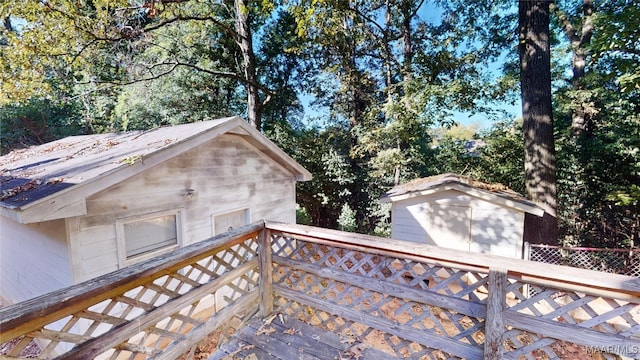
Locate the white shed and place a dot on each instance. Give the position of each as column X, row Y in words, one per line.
column 83, row 206
column 457, row 212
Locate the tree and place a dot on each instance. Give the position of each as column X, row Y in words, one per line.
column 116, row 43
column 284, row 69
column 579, row 38
column 537, row 113
column 598, row 166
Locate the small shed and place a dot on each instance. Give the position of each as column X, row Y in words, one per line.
column 457, row 212
column 83, row 206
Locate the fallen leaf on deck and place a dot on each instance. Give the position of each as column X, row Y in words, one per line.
column 290, row 331
column 268, row 320
column 348, row 340
column 354, row 352
column 240, row 348
column 265, row 330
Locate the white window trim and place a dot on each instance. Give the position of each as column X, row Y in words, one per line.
column 122, row 252
column 247, row 216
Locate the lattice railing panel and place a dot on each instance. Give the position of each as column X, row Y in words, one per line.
column 167, row 308
column 439, row 279
column 597, row 313
column 354, row 333
column 335, row 279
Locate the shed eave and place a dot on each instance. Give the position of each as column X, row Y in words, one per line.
column 478, row 193
column 12, row 213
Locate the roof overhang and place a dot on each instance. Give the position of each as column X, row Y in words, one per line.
column 523, row 206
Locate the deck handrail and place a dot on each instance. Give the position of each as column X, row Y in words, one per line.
column 254, row 281
column 589, row 281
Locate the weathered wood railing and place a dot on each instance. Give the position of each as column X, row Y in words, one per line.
column 408, row 300
column 156, row 309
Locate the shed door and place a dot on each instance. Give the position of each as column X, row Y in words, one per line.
column 449, row 226
column 497, row 232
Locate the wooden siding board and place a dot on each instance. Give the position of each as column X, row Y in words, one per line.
column 224, row 174
column 24, row 275
column 409, row 223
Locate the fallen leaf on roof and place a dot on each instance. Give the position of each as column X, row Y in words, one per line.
column 9, row 193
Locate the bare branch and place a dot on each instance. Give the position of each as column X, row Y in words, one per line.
column 415, row 9
column 217, row 22
column 130, row 82
column 174, row 65
column 587, row 26
column 224, row 74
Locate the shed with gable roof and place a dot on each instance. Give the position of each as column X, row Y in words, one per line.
column 83, row 206
column 457, row 212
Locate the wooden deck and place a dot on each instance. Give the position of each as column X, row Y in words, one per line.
column 293, row 339
column 341, row 296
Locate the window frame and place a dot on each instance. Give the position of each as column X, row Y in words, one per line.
column 247, row 217
column 123, row 259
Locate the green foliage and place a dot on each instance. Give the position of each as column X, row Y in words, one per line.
column 302, row 216
column 501, row 158
column 37, row 121
column 630, row 197
column 347, row 219
column 617, row 43
column 600, row 169
column 598, row 184
column 80, row 67
column 181, row 97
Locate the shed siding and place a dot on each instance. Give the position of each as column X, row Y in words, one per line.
column 456, row 220
column 22, row 248
column 409, row 221
column 497, row 231
column 223, row 175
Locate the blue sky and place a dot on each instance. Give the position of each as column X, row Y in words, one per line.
column 430, row 13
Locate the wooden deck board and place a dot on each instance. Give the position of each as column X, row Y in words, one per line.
column 292, row 340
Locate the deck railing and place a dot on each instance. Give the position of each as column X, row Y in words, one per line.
column 409, row 300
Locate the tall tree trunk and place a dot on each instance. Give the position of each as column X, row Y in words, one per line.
column 408, row 13
column 254, row 106
column 580, row 41
column 535, row 82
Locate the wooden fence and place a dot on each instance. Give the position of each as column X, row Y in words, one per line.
column 411, row 301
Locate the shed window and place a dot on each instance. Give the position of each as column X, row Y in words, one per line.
column 230, row 220
column 144, row 237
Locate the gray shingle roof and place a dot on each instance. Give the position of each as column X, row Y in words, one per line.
column 31, row 174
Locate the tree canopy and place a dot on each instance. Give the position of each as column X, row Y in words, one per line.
column 385, row 80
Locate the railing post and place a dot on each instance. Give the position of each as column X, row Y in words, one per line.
column 526, row 251
column 494, row 323
column 266, row 272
